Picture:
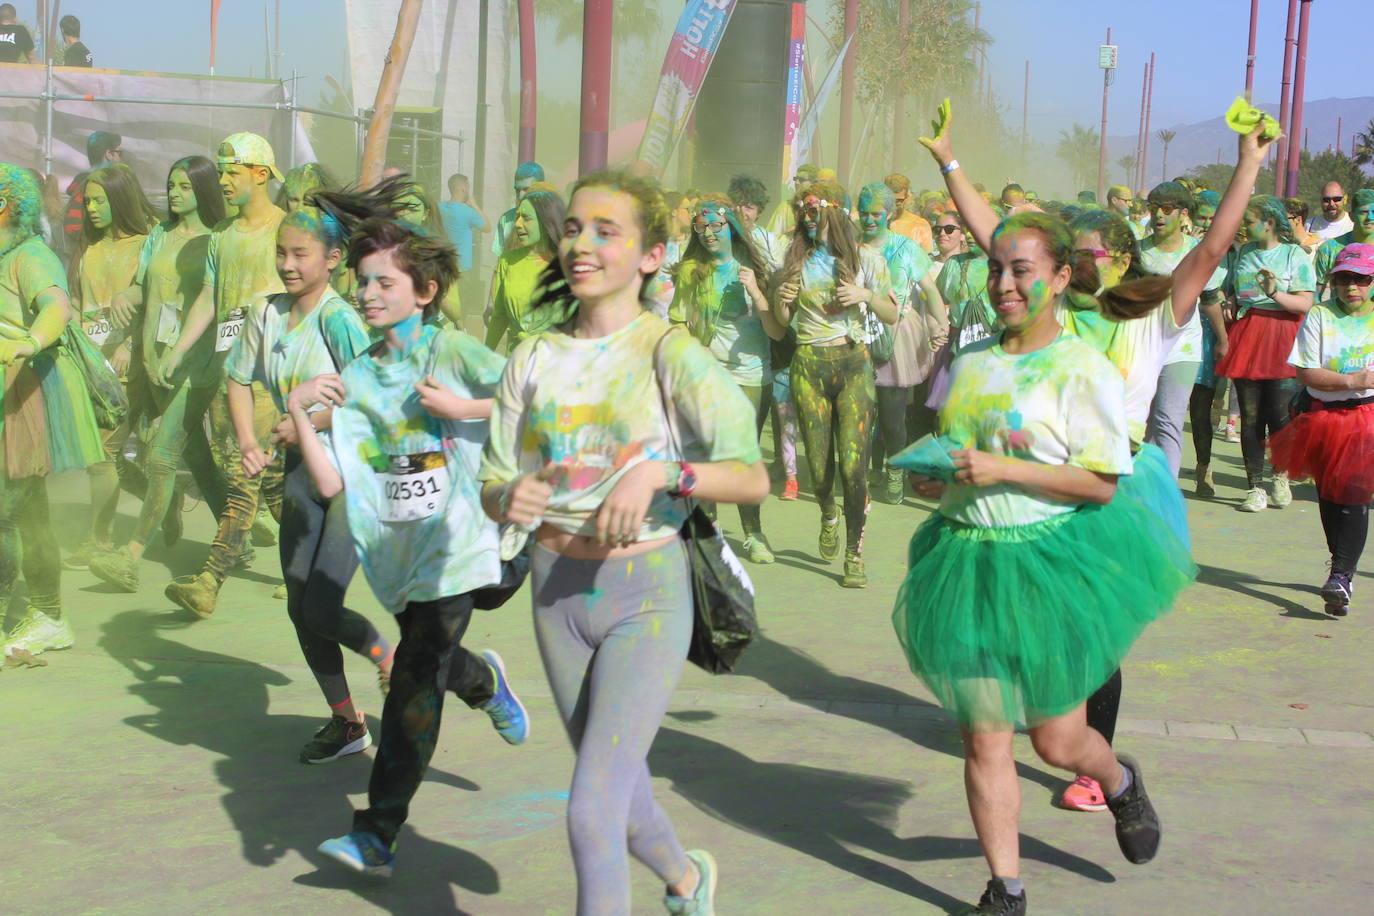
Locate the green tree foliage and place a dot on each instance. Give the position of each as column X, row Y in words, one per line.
column 1165, row 137
column 1364, row 144
column 1313, row 174
column 1078, row 148
column 1127, row 165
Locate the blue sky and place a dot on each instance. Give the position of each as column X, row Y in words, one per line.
column 1200, row 46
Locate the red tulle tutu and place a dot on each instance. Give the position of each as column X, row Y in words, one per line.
column 1259, row 344
column 1333, row 446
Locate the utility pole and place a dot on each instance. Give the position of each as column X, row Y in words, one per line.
column 1149, row 109
column 598, row 20
column 1285, row 110
column 1299, row 87
column 851, row 25
column 479, row 152
column 1250, row 55
column 1140, row 130
column 1107, row 61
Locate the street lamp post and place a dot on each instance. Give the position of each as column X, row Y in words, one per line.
column 1106, row 59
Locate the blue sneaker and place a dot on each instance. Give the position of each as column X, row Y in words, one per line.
column 507, row 713
column 363, row 852
column 703, row 899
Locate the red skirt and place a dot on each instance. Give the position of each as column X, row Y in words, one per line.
column 1332, row 445
column 1259, row 344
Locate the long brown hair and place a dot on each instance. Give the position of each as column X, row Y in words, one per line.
column 130, row 212
column 840, row 237
column 694, row 275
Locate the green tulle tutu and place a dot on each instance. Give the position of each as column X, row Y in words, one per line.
column 1012, row 626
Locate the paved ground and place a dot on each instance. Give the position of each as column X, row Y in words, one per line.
column 151, row 769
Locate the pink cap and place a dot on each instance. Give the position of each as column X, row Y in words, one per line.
column 1355, row 258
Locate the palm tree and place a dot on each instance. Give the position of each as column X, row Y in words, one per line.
column 1078, row 148
column 1165, row 137
column 1364, row 144
column 1127, row 165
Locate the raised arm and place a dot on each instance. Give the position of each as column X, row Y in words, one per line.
column 976, row 212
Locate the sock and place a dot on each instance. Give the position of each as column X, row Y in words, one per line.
column 1015, row 887
column 1126, row 780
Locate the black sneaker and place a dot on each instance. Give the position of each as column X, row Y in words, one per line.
column 997, row 902
column 338, row 738
column 1337, row 593
column 1137, row 824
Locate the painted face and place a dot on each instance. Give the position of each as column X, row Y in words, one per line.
column 1258, row 229
column 522, row 187
column 1363, row 217
column 1111, row 266
column 872, row 218
column 1022, row 280
column 949, row 237
column 602, row 248
column 98, row 206
column 811, row 216
column 1165, row 219
column 237, row 182
column 526, row 228
column 713, row 228
column 181, row 196
column 296, row 192
column 302, row 263
column 387, row 293
column 412, row 210
column 1352, row 288
column 1203, row 216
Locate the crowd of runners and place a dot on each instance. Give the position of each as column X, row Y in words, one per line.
column 309, row 363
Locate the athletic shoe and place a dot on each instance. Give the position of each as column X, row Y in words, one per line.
column 264, row 534
column 703, row 899
column 81, row 557
column 37, row 633
column 1283, row 493
column 118, row 568
column 1337, row 593
column 338, row 738
column 1231, row 434
column 1206, row 487
column 895, row 488
column 279, row 593
column 829, row 546
column 1256, row 500
column 363, row 852
column 854, row 575
column 757, row 549
column 1137, row 825
column 1223, row 427
column 196, row 594
column 171, row 522
column 790, row 489
column 997, row 902
column 1083, row 794
column 507, row 713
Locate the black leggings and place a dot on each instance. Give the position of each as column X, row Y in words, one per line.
column 893, row 406
column 318, row 559
column 1104, row 705
column 1263, row 412
column 1200, row 419
column 1346, row 528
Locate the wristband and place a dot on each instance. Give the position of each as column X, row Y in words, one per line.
column 686, row 482
column 33, row 342
column 946, row 169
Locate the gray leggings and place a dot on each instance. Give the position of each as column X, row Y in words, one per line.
column 613, row 635
column 1165, row 425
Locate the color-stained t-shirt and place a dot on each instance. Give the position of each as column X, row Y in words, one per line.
column 460, row 222
column 1326, row 256
column 1188, row 346
column 1136, row 348
column 107, row 267
column 280, row 357
column 732, row 328
column 813, row 318
column 410, row 479
column 593, row 407
column 26, row 271
column 1289, row 265
column 906, row 265
column 242, row 267
column 963, row 283
column 504, row 226
column 171, row 270
column 916, row 228
column 1331, row 338
column 512, row 289
column 1063, row 404
column 771, row 246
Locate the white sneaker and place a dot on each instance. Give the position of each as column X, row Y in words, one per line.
column 1283, row 493
column 1256, row 500
column 37, row 633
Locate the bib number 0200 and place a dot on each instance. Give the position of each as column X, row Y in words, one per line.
column 414, row 487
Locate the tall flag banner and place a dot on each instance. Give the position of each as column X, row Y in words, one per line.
column 812, row 122
column 796, row 59
column 689, row 57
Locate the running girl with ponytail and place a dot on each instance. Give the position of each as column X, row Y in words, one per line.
column 581, row 451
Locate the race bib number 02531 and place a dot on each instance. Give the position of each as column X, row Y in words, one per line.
column 230, row 329
column 414, row 487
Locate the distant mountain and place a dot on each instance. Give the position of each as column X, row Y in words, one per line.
column 1212, row 141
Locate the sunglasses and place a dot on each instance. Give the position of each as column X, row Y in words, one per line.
column 1332, row 200
column 1164, row 209
column 947, row 230
column 1349, row 277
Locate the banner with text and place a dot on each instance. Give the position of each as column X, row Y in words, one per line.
column 689, row 57
column 796, row 59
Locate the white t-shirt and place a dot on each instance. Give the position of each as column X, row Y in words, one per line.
column 1320, row 226
column 1060, row 405
column 1188, row 346
column 1329, row 338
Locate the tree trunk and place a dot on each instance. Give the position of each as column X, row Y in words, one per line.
column 379, row 130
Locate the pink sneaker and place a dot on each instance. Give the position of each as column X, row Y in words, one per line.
column 1084, row 795
column 789, row 489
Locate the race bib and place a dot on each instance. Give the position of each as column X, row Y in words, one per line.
column 99, row 329
column 230, row 329
column 414, row 487
column 168, row 323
